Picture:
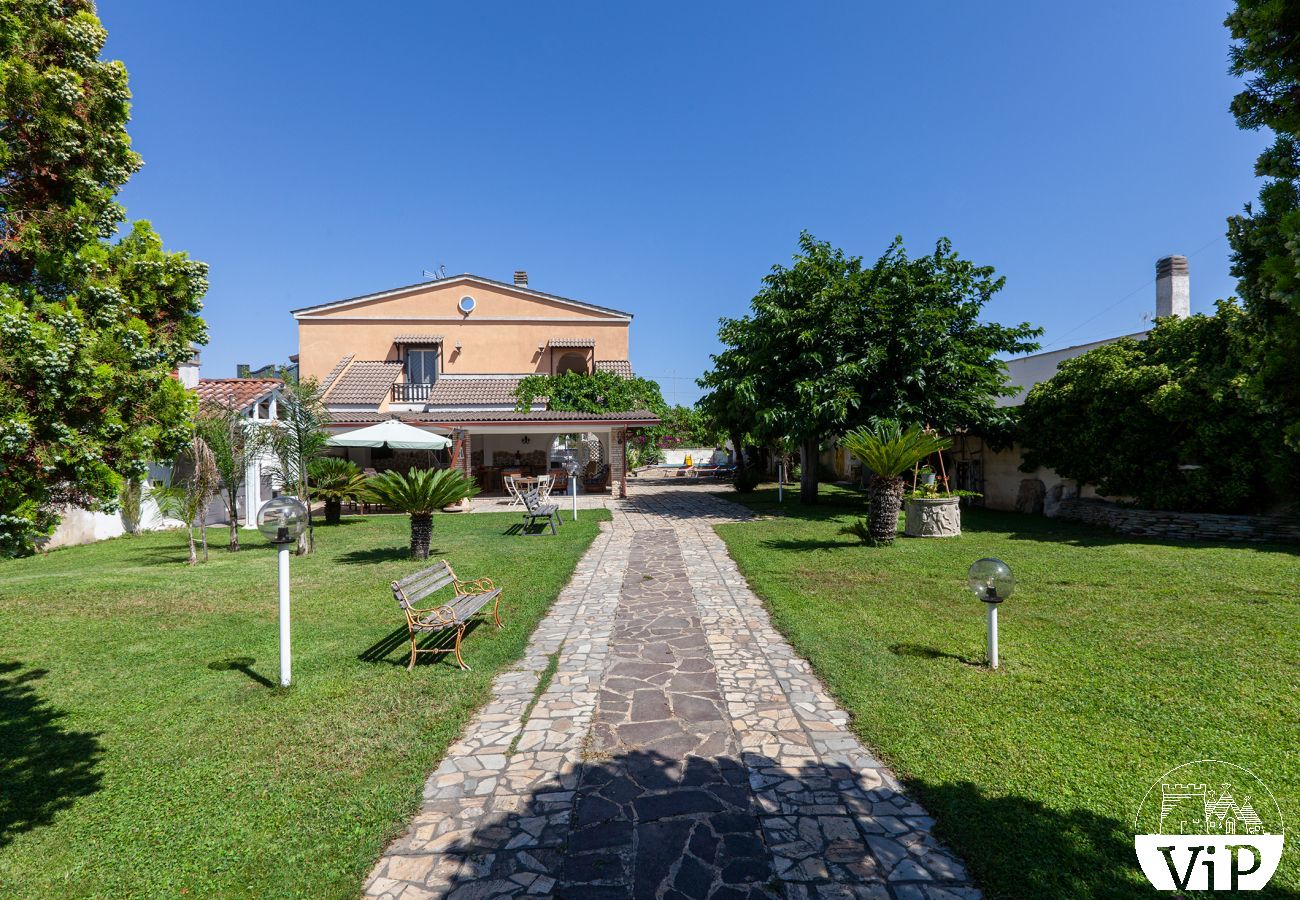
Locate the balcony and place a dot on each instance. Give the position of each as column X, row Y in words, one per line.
column 411, row 392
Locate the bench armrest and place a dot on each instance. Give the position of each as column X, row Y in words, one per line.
column 480, row 586
column 445, row 614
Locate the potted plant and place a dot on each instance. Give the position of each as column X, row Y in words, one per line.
column 930, row 512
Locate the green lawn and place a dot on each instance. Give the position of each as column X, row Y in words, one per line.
column 1121, row 658
column 145, row 752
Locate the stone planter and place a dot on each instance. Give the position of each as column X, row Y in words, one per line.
column 932, row 517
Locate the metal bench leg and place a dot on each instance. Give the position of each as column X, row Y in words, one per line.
column 459, row 632
column 551, row 519
column 414, row 639
column 496, row 612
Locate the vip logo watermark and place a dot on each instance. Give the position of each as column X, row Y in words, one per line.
column 1209, row 826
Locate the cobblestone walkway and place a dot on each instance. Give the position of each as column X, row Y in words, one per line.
column 681, row 749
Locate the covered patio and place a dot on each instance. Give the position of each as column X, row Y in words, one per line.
column 492, row 446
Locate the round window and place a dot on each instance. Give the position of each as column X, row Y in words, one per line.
column 466, row 304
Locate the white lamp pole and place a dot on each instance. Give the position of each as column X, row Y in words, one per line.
column 285, row 653
column 993, row 635
column 283, row 520
column 780, row 482
column 992, row 583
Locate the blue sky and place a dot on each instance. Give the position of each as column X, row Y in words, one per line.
column 660, row 158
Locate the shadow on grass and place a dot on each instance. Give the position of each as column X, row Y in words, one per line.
column 1039, row 851
column 386, row 554
column 44, row 767
column 164, row 556
column 242, row 664
column 394, row 648
column 918, row 651
column 801, row 544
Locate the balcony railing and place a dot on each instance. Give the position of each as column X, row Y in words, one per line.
column 407, row 392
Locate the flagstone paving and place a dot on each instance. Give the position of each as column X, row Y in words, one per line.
column 681, row 749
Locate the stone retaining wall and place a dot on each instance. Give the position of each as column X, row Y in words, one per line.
column 1181, row 525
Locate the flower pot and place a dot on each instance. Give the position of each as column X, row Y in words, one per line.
column 932, row 517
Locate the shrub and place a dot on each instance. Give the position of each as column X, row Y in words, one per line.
column 747, row 479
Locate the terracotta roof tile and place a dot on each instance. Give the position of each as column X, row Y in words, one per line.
column 573, row 342
column 366, row 381
column 617, row 366
column 235, row 393
column 474, row 391
column 434, row 417
column 418, row 339
column 335, row 373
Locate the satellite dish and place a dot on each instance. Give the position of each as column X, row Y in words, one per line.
column 466, row 304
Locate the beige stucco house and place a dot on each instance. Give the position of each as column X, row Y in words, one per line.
column 446, row 356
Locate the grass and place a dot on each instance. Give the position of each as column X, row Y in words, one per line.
column 1121, row 658
column 145, row 751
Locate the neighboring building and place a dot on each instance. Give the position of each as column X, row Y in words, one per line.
column 997, row 474
column 256, row 399
column 447, row 355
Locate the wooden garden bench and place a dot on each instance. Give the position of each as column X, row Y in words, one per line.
column 535, row 509
column 468, row 598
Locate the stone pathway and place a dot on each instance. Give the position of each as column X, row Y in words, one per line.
column 681, row 749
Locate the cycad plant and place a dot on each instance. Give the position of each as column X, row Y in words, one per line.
column 889, row 450
column 420, row 493
column 335, row 480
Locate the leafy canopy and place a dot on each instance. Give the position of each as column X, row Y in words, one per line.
column 91, row 327
column 335, row 480
column 829, row 344
column 593, row 392
column 1265, row 238
column 1168, row 420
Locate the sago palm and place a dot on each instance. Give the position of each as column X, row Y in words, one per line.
column 889, row 450
column 335, row 481
column 420, row 493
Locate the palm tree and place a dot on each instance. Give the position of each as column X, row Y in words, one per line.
column 420, row 493
column 335, row 480
column 229, row 436
column 889, row 450
column 187, row 497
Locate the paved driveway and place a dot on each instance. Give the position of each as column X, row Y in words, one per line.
column 681, row 749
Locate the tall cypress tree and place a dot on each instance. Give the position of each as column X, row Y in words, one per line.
column 1266, row 238
column 94, row 316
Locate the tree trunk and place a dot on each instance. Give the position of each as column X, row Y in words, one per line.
column 203, row 534
column 421, row 535
column 333, row 511
column 808, row 462
column 194, row 556
column 886, row 500
column 740, row 453
column 233, row 509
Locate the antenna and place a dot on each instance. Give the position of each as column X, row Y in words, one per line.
column 436, row 276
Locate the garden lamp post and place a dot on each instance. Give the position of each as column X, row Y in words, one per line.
column 571, row 466
column 283, row 520
column 991, row 582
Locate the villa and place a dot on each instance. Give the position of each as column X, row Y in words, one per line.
column 447, row 355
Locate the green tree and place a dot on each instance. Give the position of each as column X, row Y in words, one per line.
column 420, row 493
column 830, row 345
column 1264, row 239
column 228, row 435
column 1167, row 420
column 193, row 483
column 889, row 450
column 91, row 326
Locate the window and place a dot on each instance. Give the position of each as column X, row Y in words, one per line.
column 421, row 366
column 572, row 362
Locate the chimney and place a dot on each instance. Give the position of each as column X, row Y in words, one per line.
column 521, row 278
column 242, row 370
column 1173, row 287
column 187, row 373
